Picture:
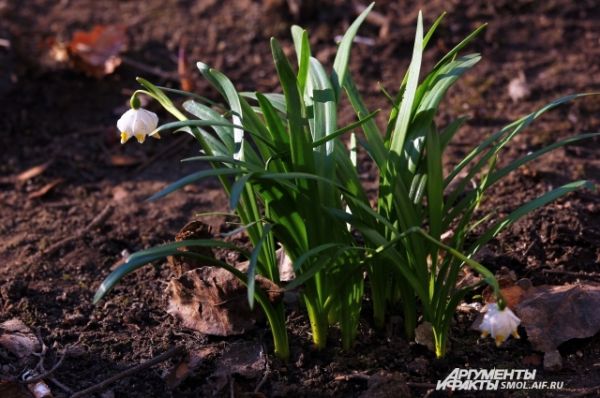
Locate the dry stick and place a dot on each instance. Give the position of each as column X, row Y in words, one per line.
column 40, row 366
column 96, row 221
column 46, row 374
column 128, row 372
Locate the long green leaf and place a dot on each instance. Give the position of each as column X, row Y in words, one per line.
column 144, row 257
column 204, row 112
column 342, row 57
column 404, row 114
column 226, row 88
column 301, row 150
column 302, row 46
column 376, row 147
column 193, row 178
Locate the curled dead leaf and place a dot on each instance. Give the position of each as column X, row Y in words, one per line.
column 33, row 172
column 213, row 301
column 46, row 189
column 192, row 230
column 552, row 315
column 96, row 52
column 18, row 339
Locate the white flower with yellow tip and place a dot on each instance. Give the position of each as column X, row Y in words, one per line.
column 500, row 324
column 137, row 123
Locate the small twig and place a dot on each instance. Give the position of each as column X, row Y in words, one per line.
column 96, row 221
column 128, row 372
column 40, row 369
column 46, row 374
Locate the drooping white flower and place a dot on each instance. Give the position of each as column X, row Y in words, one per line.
column 137, row 123
column 500, row 324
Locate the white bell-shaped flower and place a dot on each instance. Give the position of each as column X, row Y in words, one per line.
column 137, row 123
column 500, row 324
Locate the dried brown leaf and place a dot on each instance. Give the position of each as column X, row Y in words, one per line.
column 213, row 301
column 553, row 315
column 45, row 189
column 18, row 339
column 183, row 71
column 33, row 172
column 96, row 52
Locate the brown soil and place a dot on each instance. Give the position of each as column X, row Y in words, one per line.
column 59, row 115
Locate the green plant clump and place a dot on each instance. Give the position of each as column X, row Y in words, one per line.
column 291, row 181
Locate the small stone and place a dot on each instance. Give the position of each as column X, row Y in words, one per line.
column 552, row 361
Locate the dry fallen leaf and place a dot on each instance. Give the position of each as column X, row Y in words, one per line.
column 213, row 301
column 185, row 79
column 18, row 339
column 514, row 294
column 552, row 315
column 96, row 52
column 192, row 230
column 33, row 172
column 45, row 189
